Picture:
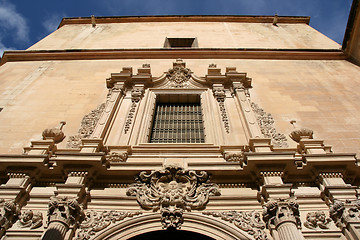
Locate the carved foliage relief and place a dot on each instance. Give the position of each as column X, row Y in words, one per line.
column 266, row 123
column 219, row 94
column 66, row 210
column 30, row 219
column 88, row 124
column 318, row 219
column 173, row 190
column 96, row 221
column 249, row 222
column 136, row 94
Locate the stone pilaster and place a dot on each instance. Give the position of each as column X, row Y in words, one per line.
column 13, row 195
column 65, row 211
column 281, row 211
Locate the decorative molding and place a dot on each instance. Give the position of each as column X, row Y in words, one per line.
column 234, row 156
column 315, row 220
column 219, row 94
column 172, row 191
column 95, row 221
column 266, row 123
column 249, row 222
column 280, row 211
column 136, row 94
column 10, row 212
column 65, row 210
column 179, row 75
column 30, row 219
column 117, row 157
column 88, row 124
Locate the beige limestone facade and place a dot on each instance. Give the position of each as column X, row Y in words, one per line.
column 208, row 127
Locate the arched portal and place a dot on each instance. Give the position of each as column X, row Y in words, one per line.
column 171, row 234
column 197, row 223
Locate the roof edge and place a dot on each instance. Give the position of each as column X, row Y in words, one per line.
column 187, row 18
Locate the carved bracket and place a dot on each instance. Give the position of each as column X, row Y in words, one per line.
column 173, row 190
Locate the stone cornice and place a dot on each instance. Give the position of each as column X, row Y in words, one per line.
column 189, row 18
column 160, row 53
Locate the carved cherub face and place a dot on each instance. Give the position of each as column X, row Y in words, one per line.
column 27, row 216
column 311, row 217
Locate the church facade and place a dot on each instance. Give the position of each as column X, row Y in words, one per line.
column 210, row 127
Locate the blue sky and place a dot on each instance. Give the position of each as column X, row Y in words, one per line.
column 24, row 22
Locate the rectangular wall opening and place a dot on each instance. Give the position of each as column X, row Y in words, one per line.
column 177, row 119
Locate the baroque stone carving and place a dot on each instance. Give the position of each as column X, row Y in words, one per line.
column 249, row 222
column 10, row 212
column 300, row 133
column 66, row 210
column 316, row 220
column 55, row 134
column 173, row 190
column 88, row 124
column 179, row 74
column 117, row 157
column 136, row 94
column 219, row 94
column 30, row 219
column 266, row 123
column 283, row 210
column 345, row 212
column 96, row 221
column 234, row 156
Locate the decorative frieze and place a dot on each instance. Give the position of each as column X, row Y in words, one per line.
column 30, row 219
column 316, row 220
column 266, row 123
column 172, row 191
column 88, row 125
column 95, row 221
column 117, row 157
column 249, row 222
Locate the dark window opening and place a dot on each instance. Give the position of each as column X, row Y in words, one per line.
column 180, row 43
column 179, row 122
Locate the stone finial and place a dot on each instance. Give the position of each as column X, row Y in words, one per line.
column 55, row 134
column 300, row 133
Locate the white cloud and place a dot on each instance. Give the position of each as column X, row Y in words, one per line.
column 51, row 23
column 12, row 24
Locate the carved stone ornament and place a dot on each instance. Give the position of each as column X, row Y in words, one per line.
column 318, row 219
column 345, row 212
column 136, row 94
column 88, row 124
column 179, row 74
column 234, row 156
column 266, row 123
column 10, row 212
column 95, row 221
column 55, row 134
column 302, row 133
column 282, row 210
column 117, row 157
column 172, row 191
column 66, row 210
column 219, row 94
column 249, row 222
column 30, row 219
